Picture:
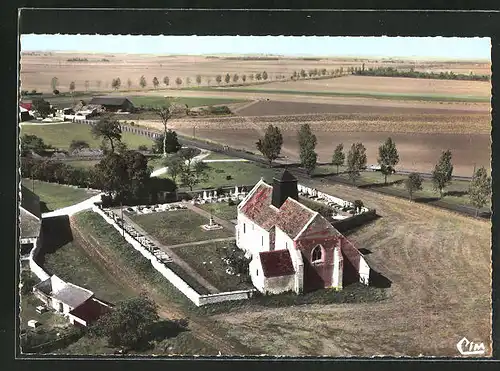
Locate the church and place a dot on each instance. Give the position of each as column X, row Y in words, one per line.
column 292, row 247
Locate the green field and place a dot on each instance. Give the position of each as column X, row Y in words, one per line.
column 176, row 227
column 72, row 264
column 214, row 269
column 156, row 101
column 56, row 196
column 361, row 94
column 218, row 156
column 242, row 173
column 221, row 210
column 61, row 135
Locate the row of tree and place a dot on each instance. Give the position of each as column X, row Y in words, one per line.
column 448, row 75
column 388, row 157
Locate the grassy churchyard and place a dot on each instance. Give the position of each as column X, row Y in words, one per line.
column 55, row 196
column 207, row 260
column 177, row 227
column 61, row 135
column 221, row 210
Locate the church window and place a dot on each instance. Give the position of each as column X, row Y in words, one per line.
column 317, row 254
column 244, row 228
column 257, row 272
column 262, row 239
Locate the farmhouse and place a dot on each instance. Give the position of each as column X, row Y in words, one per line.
column 113, row 104
column 31, row 221
column 76, row 303
column 25, row 113
column 293, row 248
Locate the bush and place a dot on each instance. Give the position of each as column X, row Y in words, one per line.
column 143, row 147
column 229, row 177
column 231, row 202
column 55, row 92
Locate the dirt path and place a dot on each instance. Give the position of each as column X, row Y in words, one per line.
column 228, row 225
column 131, row 281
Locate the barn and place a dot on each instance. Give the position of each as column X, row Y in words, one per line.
column 292, row 247
column 113, row 104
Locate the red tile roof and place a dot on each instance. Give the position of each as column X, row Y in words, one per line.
column 291, row 217
column 276, row 263
column 90, row 311
column 25, row 105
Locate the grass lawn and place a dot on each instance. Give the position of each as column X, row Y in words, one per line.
column 61, row 135
column 152, row 101
column 242, row 173
column 218, row 156
column 221, row 209
column 48, row 320
column 176, row 227
column 83, row 163
column 72, row 264
column 156, row 162
column 56, row 196
column 214, row 269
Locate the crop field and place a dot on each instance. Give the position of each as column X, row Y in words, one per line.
column 394, row 85
column 154, row 101
column 61, row 135
column 427, row 254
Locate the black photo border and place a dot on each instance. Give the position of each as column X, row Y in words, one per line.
column 60, row 18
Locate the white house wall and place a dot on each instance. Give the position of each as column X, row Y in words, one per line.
column 282, row 241
column 256, row 274
column 337, row 271
column 277, row 285
column 251, row 238
column 364, row 271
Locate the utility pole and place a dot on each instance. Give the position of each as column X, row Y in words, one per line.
column 123, row 222
column 32, row 182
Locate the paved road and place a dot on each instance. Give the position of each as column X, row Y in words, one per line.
column 73, row 209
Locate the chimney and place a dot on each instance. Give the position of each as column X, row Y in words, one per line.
column 284, row 186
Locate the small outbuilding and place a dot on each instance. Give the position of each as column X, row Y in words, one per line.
column 113, row 104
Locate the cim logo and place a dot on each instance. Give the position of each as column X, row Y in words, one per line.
column 469, row 348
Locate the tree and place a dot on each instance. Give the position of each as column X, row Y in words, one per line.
column 175, row 166
column 194, row 174
column 172, row 144
column 338, row 156
column 32, row 143
column 218, row 79
column 142, row 82
column 443, row 171
column 155, row 82
column 99, row 83
column 43, row 107
column 388, row 158
column 198, row 79
column 251, row 77
column 307, row 144
column 165, row 113
column 87, row 84
column 178, row 81
column 227, row 78
column 302, row 73
column 166, row 80
column 54, row 83
column 113, row 175
column 27, row 281
column 358, row 205
column 413, row 183
column 188, row 81
column 129, row 83
column 270, row 145
column 138, row 174
column 116, row 83
column 129, row 323
column 235, row 77
column 258, row 76
column 356, row 161
column 264, row 75
column 72, row 86
column 244, row 78
column 480, row 189
column 77, row 145
column 109, row 130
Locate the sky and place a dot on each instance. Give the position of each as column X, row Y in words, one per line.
column 407, row 47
